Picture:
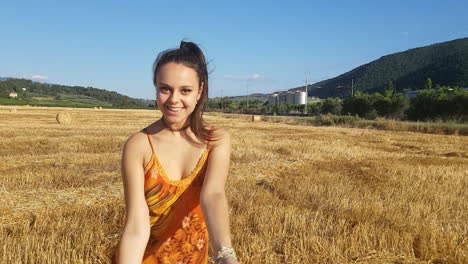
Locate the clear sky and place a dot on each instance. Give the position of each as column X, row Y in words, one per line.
column 254, row 46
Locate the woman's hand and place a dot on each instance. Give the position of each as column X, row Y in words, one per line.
column 227, row 260
column 230, row 261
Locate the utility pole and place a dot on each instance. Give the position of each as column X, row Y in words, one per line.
column 222, row 100
column 306, row 91
column 247, row 87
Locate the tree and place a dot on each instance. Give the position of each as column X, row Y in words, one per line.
column 422, row 107
column 428, row 84
column 361, row 104
column 399, row 106
column 332, row 105
column 388, row 93
column 391, row 86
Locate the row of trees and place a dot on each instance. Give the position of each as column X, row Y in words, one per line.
column 439, row 103
column 430, row 103
column 60, row 92
column 445, row 103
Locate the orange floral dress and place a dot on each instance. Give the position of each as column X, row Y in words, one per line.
column 178, row 229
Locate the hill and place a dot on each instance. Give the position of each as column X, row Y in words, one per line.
column 37, row 93
column 242, row 98
column 445, row 63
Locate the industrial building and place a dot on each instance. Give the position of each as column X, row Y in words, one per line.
column 289, row 97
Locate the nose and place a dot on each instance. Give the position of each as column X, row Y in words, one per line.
column 174, row 98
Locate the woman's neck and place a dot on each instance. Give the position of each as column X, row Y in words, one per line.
column 176, row 128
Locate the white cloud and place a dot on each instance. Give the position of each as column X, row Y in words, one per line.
column 254, row 76
column 228, row 76
column 36, row 78
column 40, row 78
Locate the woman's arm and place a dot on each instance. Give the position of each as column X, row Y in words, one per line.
column 213, row 197
column 137, row 229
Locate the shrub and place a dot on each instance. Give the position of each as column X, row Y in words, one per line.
column 332, row 106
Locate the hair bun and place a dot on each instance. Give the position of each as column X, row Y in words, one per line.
column 191, row 47
column 187, row 45
column 184, row 44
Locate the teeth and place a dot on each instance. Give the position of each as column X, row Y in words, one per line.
column 175, row 109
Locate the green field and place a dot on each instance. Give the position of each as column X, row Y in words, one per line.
column 65, row 101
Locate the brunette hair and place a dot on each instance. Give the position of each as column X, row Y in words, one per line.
column 190, row 55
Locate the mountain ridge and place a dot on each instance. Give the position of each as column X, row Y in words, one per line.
column 446, row 63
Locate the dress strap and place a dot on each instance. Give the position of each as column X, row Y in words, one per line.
column 209, row 136
column 149, row 139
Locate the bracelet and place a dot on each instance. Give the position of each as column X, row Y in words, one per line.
column 223, row 253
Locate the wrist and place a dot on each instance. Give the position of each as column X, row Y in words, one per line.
column 224, row 255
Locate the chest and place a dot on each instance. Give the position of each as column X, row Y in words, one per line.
column 179, row 162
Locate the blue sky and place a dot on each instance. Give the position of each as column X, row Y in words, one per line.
column 254, row 46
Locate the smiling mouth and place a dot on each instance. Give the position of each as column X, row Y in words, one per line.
column 174, row 109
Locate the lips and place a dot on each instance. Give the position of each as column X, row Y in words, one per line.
column 174, row 109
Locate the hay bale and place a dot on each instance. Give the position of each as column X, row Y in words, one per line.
column 95, row 108
column 64, row 117
column 100, row 108
column 13, row 110
column 260, row 180
column 256, row 118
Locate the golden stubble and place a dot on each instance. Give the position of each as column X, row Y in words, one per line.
column 297, row 194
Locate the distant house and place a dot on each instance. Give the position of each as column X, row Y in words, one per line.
column 13, row 95
column 411, row 94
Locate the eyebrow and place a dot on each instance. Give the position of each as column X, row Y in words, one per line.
column 184, row 86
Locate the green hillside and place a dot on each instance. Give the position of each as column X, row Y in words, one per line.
column 445, row 63
column 44, row 94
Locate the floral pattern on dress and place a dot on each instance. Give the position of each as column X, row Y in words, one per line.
column 187, row 244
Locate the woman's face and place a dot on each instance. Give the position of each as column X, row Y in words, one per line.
column 177, row 92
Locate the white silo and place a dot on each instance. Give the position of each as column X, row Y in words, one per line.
column 290, row 98
column 283, row 98
column 300, row 97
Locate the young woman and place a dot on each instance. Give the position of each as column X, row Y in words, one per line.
column 174, row 172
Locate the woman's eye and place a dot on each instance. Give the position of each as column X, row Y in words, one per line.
column 186, row 90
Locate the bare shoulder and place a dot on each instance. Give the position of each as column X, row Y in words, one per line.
column 221, row 137
column 137, row 143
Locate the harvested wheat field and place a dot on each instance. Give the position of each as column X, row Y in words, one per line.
column 298, row 194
